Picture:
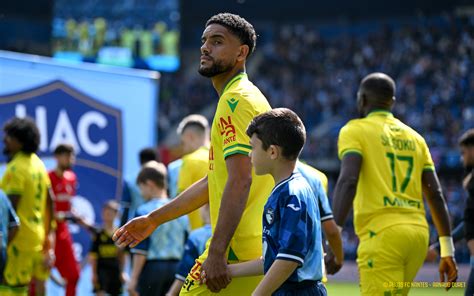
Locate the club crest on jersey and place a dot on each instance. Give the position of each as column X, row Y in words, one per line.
column 269, row 215
column 226, row 127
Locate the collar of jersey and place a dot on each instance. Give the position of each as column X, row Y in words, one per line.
column 380, row 112
column 291, row 177
column 233, row 80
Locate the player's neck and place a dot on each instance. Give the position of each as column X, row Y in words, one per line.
column 59, row 172
column 220, row 81
column 282, row 170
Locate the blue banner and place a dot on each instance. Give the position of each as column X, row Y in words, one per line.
column 65, row 115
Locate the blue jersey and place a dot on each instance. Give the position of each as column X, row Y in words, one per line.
column 193, row 248
column 167, row 241
column 314, row 182
column 173, row 174
column 292, row 229
column 8, row 218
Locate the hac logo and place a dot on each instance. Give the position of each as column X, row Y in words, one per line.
column 64, row 131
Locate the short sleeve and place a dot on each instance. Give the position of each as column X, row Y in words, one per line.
column 349, row 140
column 294, row 230
column 428, row 164
column 142, row 247
column 323, row 204
column 13, row 182
column 234, row 118
column 13, row 219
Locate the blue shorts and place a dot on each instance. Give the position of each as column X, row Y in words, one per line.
column 305, row 288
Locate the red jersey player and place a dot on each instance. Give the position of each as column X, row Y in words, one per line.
column 63, row 183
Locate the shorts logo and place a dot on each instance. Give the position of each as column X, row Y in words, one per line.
column 226, row 127
column 269, row 215
column 195, row 272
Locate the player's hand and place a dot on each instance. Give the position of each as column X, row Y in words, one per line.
column 432, row 254
column 448, row 271
column 216, row 273
column 134, row 232
column 49, row 258
column 332, row 265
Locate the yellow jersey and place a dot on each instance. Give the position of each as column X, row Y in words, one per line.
column 394, row 157
column 239, row 103
column 194, row 167
column 27, row 177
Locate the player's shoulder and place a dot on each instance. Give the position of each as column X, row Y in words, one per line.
column 354, row 124
column 246, row 97
column 175, row 164
column 297, row 186
column 411, row 131
column 199, row 155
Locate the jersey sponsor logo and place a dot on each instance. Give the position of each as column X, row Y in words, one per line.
column 226, row 127
column 229, row 140
column 195, row 272
column 188, row 284
column 293, row 207
column 269, row 215
column 400, row 202
column 232, row 104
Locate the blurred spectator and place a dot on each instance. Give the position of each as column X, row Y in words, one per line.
column 106, row 259
column 30, row 255
column 131, row 198
column 195, row 246
column 9, row 223
column 159, row 254
column 64, row 183
column 193, row 166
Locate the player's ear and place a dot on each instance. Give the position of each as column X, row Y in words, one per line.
column 243, row 52
column 274, row 152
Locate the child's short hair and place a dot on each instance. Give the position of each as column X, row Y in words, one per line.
column 281, row 127
column 64, row 149
column 153, row 171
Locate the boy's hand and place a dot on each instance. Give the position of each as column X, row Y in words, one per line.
column 332, row 265
column 432, row 254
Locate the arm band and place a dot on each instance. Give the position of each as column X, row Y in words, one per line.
column 446, row 246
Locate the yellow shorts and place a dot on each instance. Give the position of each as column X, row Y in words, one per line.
column 238, row 286
column 22, row 266
column 389, row 259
